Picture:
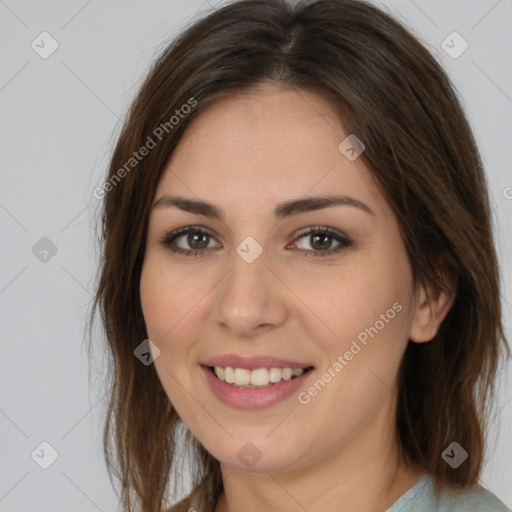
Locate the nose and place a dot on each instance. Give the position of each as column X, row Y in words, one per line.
column 250, row 300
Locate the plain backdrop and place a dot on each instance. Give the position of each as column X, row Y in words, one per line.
column 59, row 117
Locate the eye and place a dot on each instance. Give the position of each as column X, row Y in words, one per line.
column 321, row 238
column 198, row 239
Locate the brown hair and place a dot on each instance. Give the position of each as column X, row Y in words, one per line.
column 389, row 91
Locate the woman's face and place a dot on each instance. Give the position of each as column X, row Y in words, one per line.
column 259, row 292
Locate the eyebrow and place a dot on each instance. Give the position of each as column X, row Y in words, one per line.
column 282, row 210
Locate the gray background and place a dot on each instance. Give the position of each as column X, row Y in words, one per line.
column 59, row 116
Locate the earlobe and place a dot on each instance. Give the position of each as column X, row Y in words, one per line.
column 432, row 306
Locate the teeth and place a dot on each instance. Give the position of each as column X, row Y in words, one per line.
column 242, row 377
column 255, row 378
column 287, row 373
column 260, row 377
column 229, row 375
column 275, row 374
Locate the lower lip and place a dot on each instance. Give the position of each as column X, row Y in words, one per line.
column 253, row 398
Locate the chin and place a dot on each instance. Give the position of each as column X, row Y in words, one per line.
column 257, row 454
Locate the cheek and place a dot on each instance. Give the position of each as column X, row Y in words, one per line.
column 172, row 301
column 361, row 313
column 162, row 312
column 374, row 300
column 155, row 302
column 165, row 315
column 341, row 305
column 361, row 360
column 165, row 299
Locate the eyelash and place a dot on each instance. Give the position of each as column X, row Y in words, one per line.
column 168, row 240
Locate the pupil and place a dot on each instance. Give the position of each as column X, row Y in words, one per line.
column 326, row 243
column 192, row 238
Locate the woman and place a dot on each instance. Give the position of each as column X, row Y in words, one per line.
column 299, row 283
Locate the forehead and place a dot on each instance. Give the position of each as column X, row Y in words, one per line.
column 266, row 147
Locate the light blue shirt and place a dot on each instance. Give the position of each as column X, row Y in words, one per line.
column 421, row 498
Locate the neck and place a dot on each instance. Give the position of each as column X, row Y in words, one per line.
column 365, row 475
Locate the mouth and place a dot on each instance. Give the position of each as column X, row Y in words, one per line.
column 255, row 382
column 245, row 378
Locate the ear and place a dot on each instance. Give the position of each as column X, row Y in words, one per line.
column 432, row 306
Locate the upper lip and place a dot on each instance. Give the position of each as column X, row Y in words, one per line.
column 252, row 363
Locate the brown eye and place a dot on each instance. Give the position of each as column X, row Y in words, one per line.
column 195, row 241
column 321, row 239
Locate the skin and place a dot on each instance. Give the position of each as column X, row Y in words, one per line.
column 245, row 154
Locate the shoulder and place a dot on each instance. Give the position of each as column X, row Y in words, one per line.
column 476, row 498
column 422, row 498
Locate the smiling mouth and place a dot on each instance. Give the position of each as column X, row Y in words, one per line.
column 257, row 378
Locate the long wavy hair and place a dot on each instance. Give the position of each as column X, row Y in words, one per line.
column 388, row 89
